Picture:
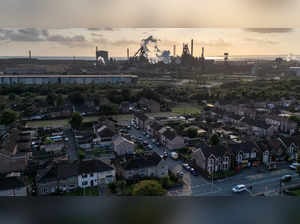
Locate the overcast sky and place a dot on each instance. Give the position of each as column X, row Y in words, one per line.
column 75, row 27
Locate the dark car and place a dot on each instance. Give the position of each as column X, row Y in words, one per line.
column 195, row 173
column 286, row 178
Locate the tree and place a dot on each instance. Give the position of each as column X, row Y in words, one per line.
column 148, row 188
column 298, row 169
column 76, row 120
column 59, row 101
column 77, row 98
column 214, row 140
column 191, row 132
column 8, row 117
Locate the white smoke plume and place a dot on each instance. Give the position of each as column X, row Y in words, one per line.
column 101, row 60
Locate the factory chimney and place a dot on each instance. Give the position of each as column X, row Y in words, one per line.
column 202, row 54
column 174, row 50
column 29, row 57
column 192, row 48
column 96, row 55
column 128, row 56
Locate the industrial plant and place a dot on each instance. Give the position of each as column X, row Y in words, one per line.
column 146, row 61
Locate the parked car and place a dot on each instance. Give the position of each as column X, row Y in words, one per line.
column 166, row 155
column 293, row 166
column 239, row 188
column 186, row 166
column 195, row 173
column 286, row 178
column 180, row 173
column 174, row 155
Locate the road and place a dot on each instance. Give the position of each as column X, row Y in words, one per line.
column 71, row 145
column 261, row 181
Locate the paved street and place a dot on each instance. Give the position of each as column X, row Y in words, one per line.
column 260, row 179
column 71, row 145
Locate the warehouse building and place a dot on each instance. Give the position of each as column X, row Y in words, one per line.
column 67, row 79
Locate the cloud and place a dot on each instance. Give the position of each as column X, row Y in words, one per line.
column 37, row 35
column 215, row 43
column 118, row 43
column 100, row 29
column 261, row 41
column 269, row 30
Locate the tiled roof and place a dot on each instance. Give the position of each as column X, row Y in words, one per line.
column 244, row 147
column 93, row 166
column 142, row 161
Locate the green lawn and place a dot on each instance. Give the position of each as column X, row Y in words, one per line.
column 187, row 109
column 296, row 192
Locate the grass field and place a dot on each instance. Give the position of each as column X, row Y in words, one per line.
column 65, row 122
column 180, row 109
column 187, row 109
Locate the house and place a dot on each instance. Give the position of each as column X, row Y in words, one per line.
column 292, row 145
column 124, row 107
column 137, row 166
column 57, row 176
column 12, row 186
column 245, row 154
column 95, row 173
column 265, row 151
column 141, row 120
column 11, row 159
column 153, row 129
column 212, row 159
column 260, row 128
column 123, row 146
column 105, row 136
column 170, row 139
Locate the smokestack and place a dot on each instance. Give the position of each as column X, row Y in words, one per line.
column 192, row 47
column 202, row 54
column 128, row 53
column 29, row 56
column 174, row 50
column 96, row 55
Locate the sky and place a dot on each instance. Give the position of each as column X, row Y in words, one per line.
column 75, row 27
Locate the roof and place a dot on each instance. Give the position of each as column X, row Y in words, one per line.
column 140, row 161
column 57, row 171
column 104, row 132
column 242, row 147
column 10, row 183
column 169, row 133
column 217, row 151
column 121, row 140
column 156, row 126
column 289, row 140
column 93, row 166
column 257, row 123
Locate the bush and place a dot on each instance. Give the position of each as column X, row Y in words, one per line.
column 148, row 188
column 112, row 187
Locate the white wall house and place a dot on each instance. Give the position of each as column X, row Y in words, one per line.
column 94, row 173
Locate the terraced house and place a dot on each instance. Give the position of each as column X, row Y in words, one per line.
column 212, row 159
